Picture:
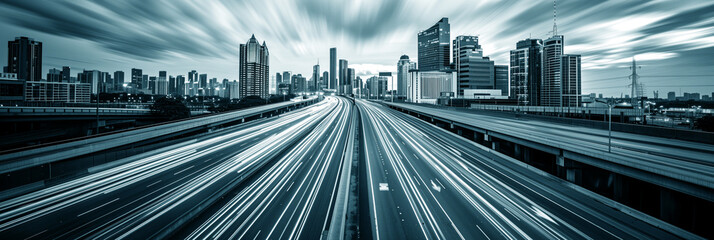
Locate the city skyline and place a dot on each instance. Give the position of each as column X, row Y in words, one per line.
column 671, row 41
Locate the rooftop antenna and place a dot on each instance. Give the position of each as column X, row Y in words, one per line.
column 555, row 26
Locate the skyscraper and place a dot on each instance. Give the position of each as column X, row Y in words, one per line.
column 570, row 84
column 278, row 78
column 180, row 85
column 333, row 69
column 203, row 85
column 286, row 77
column 163, row 82
column 325, row 80
column 65, row 75
column 172, row 85
column 136, row 76
column 525, row 69
column 192, row 83
column 433, row 47
column 254, row 69
column 24, row 57
column 473, row 70
column 343, row 79
column 551, row 86
column 315, row 78
column 403, row 67
column 118, row 81
column 351, row 80
column 54, row 75
column 93, row 78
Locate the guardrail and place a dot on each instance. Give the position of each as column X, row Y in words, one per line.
column 13, row 160
column 64, row 111
column 568, row 110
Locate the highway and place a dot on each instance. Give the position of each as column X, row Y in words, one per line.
column 687, row 161
column 151, row 192
column 423, row 182
column 294, row 198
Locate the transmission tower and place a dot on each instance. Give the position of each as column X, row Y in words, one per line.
column 636, row 90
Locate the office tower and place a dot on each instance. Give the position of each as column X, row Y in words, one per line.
column 145, row 81
column 119, row 81
column 474, row 71
column 65, row 75
column 550, row 88
column 254, row 69
column 180, row 85
column 299, row 84
column 433, row 47
column 152, row 85
column 136, row 78
column 315, row 77
column 203, row 84
column 107, row 83
column 570, row 85
column 54, row 75
column 232, row 90
column 342, row 81
column 333, row 69
column 286, row 77
column 162, row 86
column 501, row 78
column 351, row 80
column 403, row 67
column 526, row 67
column 172, row 85
column 325, row 80
column 93, row 78
column 212, row 85
column 24, row 57
column 192, row 83
column 278, row 78
column 360, row 87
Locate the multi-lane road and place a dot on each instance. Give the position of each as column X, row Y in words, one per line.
column 152, row 192
column 278, row 178
column 426, row 183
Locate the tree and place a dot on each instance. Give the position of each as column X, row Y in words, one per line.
column 171, row 108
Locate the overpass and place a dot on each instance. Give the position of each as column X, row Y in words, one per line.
column 670, row 179
column 36, row 164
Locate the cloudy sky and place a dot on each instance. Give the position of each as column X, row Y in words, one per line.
column 672, row 40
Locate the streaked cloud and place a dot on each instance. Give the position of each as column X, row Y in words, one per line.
column 181, row 35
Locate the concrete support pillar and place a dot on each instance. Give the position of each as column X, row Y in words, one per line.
column 459, row 131
column 517, row 151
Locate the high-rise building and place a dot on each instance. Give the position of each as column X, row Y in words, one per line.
column 278, row 78
column 433, row 47
column 119, row 81
column 333, row 69
column 212, row 87
column 173, row 86
column 232, row 90
column 473, row 70
column 286, row 77
column 145, row 81
column 343, row 78
column 65, row 75
column 136, row 78
column 325, row 80
column 192, row 84
column 525, row 69
column 54, row 75
column 203, row 85
column 501, row 79
column 403, row 67
column 152, row 85
column 551, row 85
column 351, row 80
column 24, row 57
column 180, row 85
column 570, row 84
column 254, row 69
column 92, row 77
column 314, row 86
column 163, row 81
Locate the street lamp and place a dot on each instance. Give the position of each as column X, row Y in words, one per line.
column 609, row 125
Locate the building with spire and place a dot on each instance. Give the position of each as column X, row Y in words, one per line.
column 254, row 69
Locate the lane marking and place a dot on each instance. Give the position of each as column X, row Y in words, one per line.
column 183, row 170
column 98, row 207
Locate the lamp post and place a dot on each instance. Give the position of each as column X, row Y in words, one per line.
column 609, row 125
